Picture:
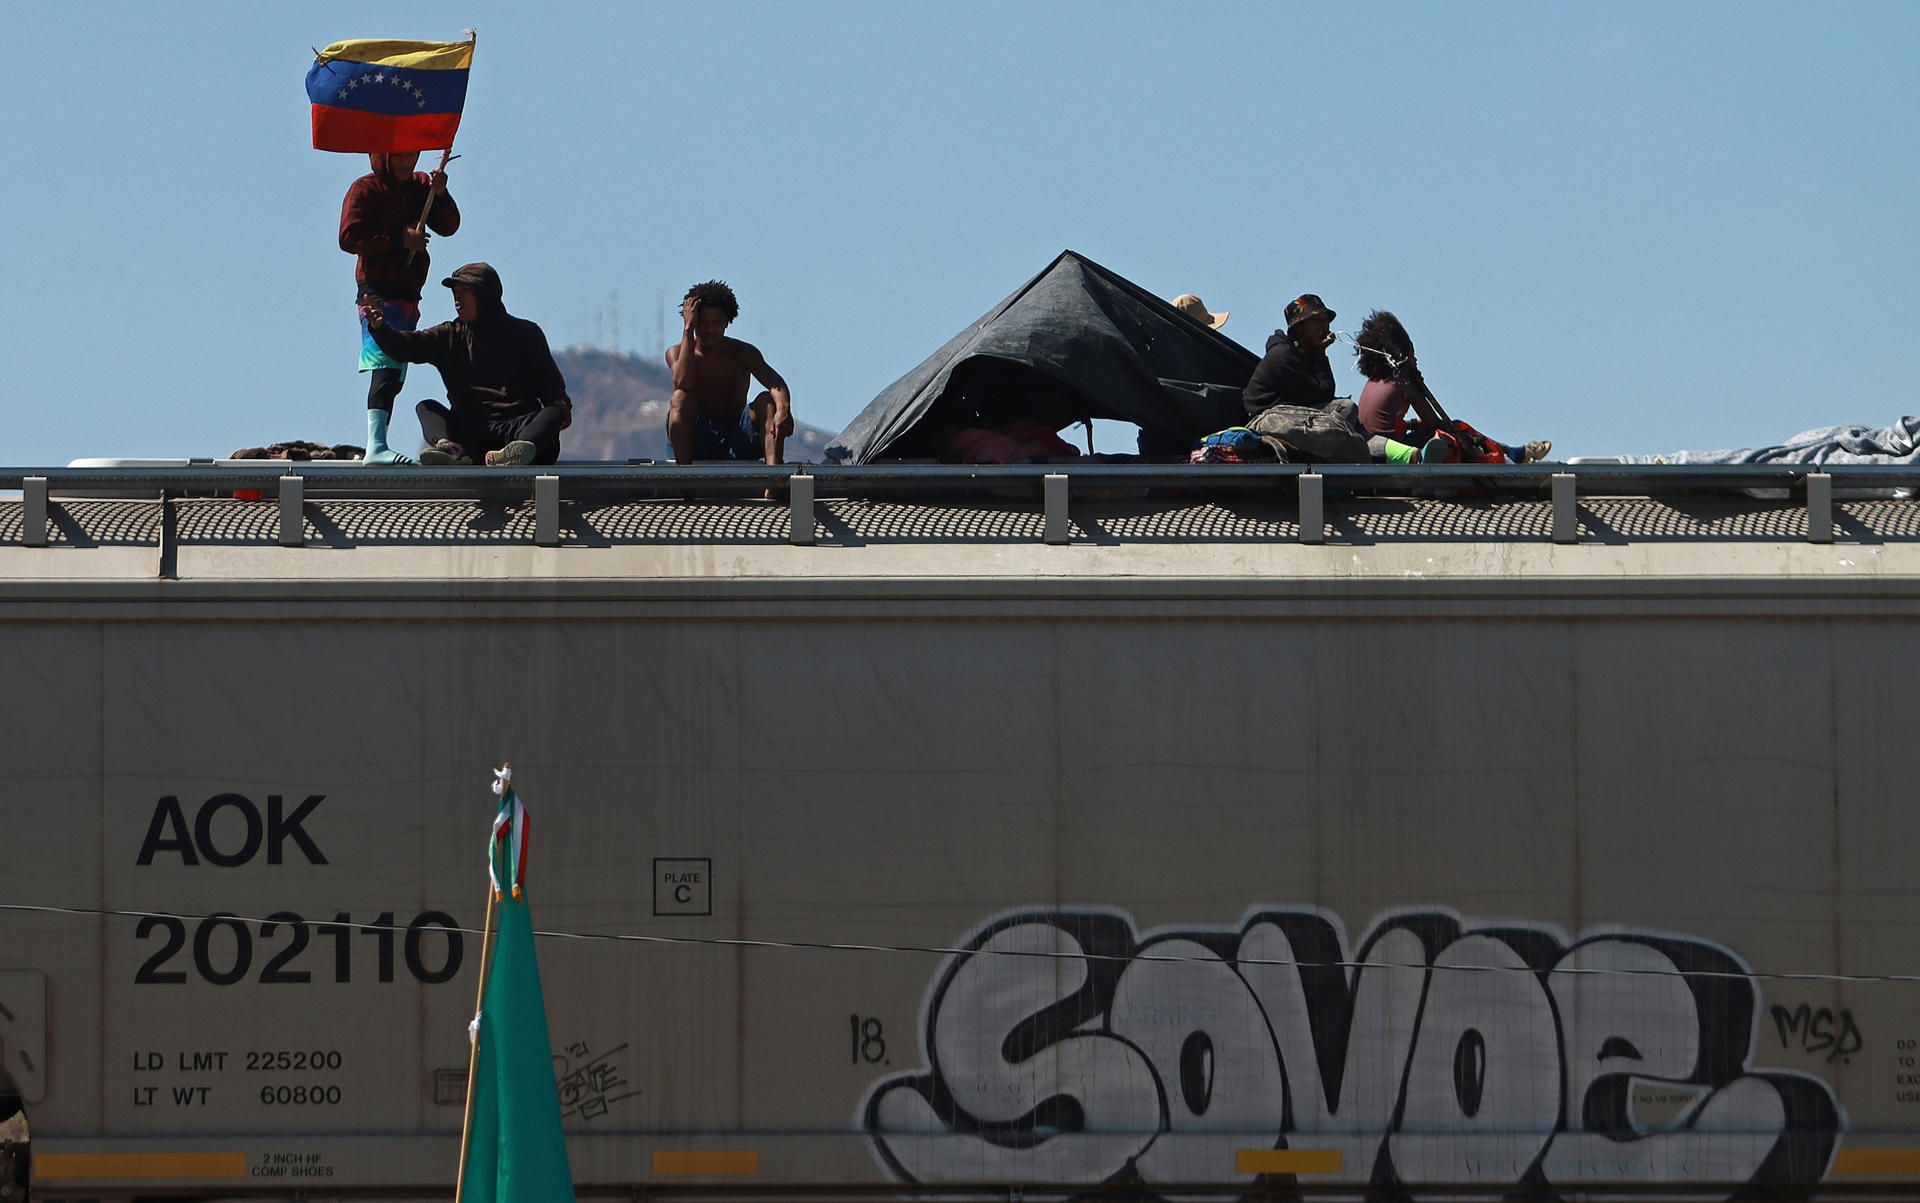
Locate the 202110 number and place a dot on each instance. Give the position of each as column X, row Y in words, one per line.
column 223, row 948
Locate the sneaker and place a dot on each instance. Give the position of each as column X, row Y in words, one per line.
column 512, row 455
column 446, row 453
column 1437, row 451
column 1538, row 450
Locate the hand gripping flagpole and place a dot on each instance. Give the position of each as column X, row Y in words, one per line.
column 446, row 156
column 502, row 778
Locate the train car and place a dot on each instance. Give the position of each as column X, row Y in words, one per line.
column 1227, row 846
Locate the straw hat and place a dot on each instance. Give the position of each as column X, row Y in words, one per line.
column 1196, row 309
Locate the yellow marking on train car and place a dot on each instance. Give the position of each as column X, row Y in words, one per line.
column 1877, row 1161
column 1287, row 1161
column 706, row 1161
column 140, row 1165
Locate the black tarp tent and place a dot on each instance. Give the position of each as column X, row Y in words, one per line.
column 1075, row 342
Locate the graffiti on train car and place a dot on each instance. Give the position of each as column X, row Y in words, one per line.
column 1818, row 1031
column 590, row 1082
column 1062, row 1046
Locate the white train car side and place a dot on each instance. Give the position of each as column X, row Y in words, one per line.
column 918, row 865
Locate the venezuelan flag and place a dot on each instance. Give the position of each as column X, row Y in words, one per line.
column 383, row 97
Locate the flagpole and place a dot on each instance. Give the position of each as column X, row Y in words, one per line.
column 473, row 1053
column 446, row 156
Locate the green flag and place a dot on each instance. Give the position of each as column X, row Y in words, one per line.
column 516, row 1152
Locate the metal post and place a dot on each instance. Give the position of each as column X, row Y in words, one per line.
column 1054, row 489
column 1819, row 507
column 546, row 511
column 293, row 527
column 1566, row 515
column 33, row 511
column 800, row 510
column 1313, row 508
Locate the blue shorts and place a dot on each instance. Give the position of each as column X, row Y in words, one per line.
column 401, row 315
column 735, row 440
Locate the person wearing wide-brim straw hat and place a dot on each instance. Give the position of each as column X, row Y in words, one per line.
column 1196, row 309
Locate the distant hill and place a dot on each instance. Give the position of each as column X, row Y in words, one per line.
column 620, row 410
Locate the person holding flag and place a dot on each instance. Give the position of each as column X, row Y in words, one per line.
column 377, row 225
column 512, row 1147
column 390, row 100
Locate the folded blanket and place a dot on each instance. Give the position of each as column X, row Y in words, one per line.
column 1895, row 444
column 300, row 450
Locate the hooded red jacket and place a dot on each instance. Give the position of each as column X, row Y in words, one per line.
column 372, row 218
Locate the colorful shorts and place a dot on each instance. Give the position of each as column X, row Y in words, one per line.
column 401, row 315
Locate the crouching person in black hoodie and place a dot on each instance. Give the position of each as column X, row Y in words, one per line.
column 506, row 399
column 1289, row 400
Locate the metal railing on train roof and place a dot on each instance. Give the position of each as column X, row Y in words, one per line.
column 613, row 476
column 292, row 482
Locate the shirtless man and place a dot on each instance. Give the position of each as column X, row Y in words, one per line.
column 709, row 417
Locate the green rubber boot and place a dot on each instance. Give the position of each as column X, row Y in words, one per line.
column 377, row 450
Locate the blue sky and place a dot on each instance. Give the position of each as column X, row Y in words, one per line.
column 1622, row 226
